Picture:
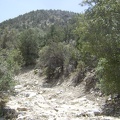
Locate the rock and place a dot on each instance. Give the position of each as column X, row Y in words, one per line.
column 22, row 109
column 56, row 103
column 109, row 99
column 18, row 86
column 97, row 112
column 90, row 81
column 36, row 82
column 32, row 94
column 83, row 114
column 40, row 72
column 29, row 94
column 90, row 114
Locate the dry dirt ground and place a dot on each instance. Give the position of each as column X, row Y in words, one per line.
column 33, row 101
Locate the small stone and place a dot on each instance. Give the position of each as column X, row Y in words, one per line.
column 97, row 112
column 90, row 114
column 27, row 95
column 97, row 99
column 109, row 99
column 22, row 109
column 18, row 86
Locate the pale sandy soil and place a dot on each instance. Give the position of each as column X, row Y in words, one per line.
column 62, row 102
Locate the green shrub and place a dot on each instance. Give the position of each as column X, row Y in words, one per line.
column 109, row 75
column 57, row 58
column 100, row 34
column 10, row 62
column 29, row 46
column 52, row 58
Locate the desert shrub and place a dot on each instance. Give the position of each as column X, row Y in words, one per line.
column 52, row 58
column 29, row 46
column 14, row 60
column 58, row 59
column 8, row 38
column 80, row 73
column 72, row 57
column 109, row 74
column 10, row 62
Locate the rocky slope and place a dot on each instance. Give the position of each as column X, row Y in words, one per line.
column 32, row 101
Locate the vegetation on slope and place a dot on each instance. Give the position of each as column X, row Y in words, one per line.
column 60, row 42
column 101, row 38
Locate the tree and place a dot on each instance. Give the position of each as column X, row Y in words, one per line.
column 56, row 58
column 103, row 39
column 29, row 46
column 55, row 34
column 51, row 58
column 8, row 39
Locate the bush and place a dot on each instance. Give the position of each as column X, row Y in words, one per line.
column 101, row 34
column 29, row 46
column 10, row 62
column 109, row 74
column 52, row 58
column 57, row 59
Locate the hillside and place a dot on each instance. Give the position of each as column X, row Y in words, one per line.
column 75, row 53
column 41, row 19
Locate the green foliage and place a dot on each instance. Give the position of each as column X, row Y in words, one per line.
column 58, row 34
column 102, row 37
column 108, row 73
column 14, row 60
column 71, row 55
column 52, row 58
column 8, row 39
column 56, row 58
column 82, row 44
column 55, row 34
column 29, row 46
column 104, row 28
column 10, row 62
column 41, row 19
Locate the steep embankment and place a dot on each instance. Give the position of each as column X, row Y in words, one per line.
column 64, row 102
